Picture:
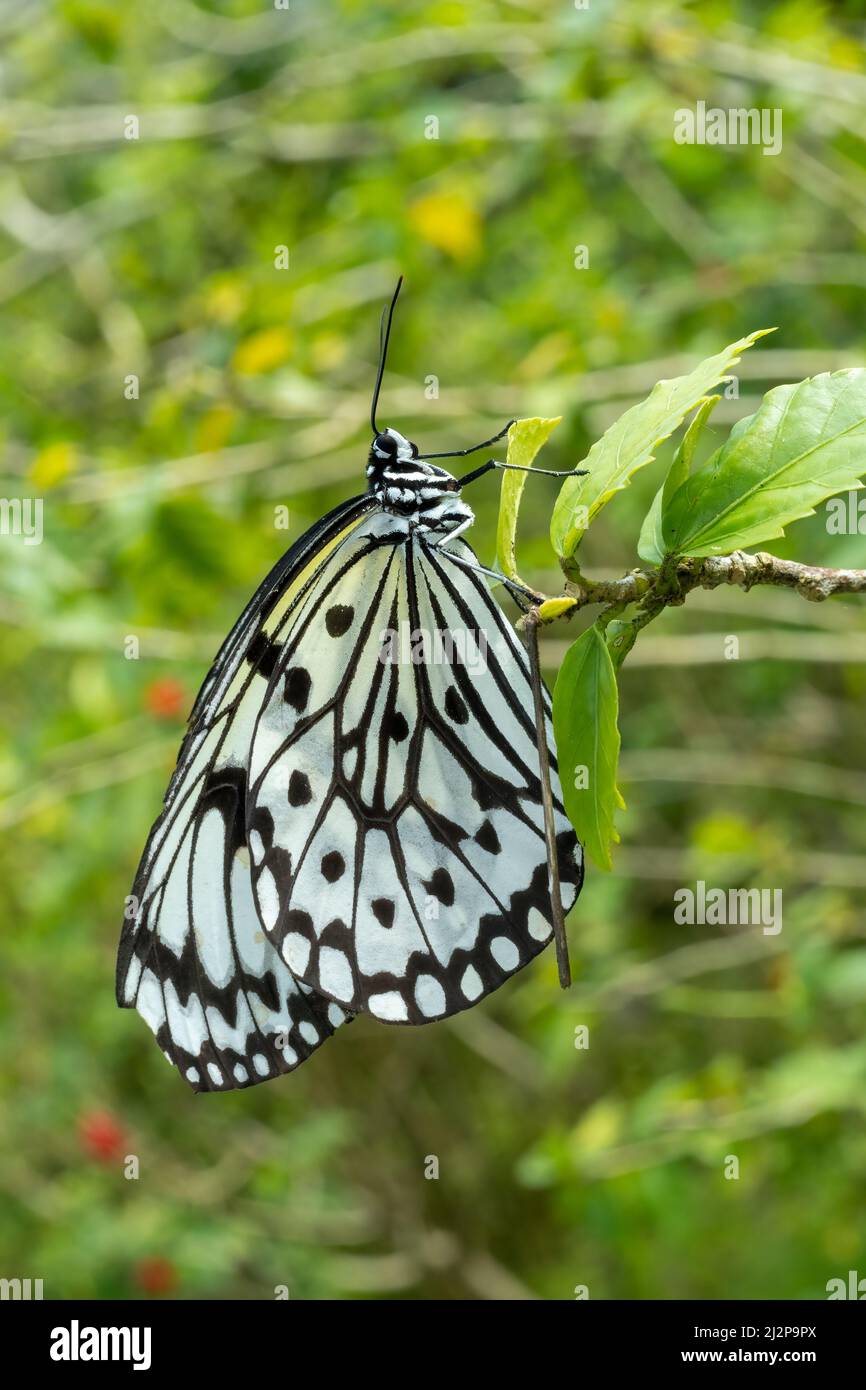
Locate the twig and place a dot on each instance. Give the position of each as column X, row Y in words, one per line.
column 530, row 635
column 668, row 586
column 814, row 582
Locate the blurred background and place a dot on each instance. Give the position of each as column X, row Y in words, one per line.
column 166, row 382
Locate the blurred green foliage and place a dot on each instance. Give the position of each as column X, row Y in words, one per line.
column 154, row 258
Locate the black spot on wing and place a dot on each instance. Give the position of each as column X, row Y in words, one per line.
column 488, row 839
column 383, row 911
column 297, row 688
column 300, row 792
column 263, row 654
column 338, row 619
column 397, row 727
column 333, row 866
column 441, row 885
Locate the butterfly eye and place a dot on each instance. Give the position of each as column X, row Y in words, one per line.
column 385, row 446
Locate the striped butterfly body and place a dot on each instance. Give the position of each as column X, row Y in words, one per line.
column 355, row 822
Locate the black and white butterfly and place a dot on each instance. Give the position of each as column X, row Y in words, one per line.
column 355, row 821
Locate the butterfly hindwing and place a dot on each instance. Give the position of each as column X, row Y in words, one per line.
column 395, row 816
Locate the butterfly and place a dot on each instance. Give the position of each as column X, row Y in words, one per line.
column 356, row 819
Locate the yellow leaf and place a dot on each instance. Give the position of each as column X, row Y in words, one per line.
column 327, row 351
column 52, row 464
column 723, row 834
column 449, row 221
column 225, row 299
column 262, row 351
column 525, row 438
column 598, row 1129
column 47, row 818
column 214, row 428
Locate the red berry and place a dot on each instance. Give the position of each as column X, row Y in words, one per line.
column 155, row 1274
column 166, row 698
column 101, row 1136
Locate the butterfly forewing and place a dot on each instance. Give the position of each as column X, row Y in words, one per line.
column 193, row 958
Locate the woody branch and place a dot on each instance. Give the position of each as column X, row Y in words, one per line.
column 671, row 583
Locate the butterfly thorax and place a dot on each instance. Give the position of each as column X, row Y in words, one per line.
column 410, row 486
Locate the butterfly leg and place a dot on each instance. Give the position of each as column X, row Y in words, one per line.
column 457, row 531
column 526, row 598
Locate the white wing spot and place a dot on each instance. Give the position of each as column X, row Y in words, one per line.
column 260, row 1062
column 504, row 952
column 240, row 1072
column 192, row 1074
column 290, row 1056
column 539, row 929
column 335, row 972
column 269, row 901
column 429, row 996
column 214, row 1073
column 150, row 1002
column 296, row 952
column 470, row 984
column 309, row 1033
column 390, row 1006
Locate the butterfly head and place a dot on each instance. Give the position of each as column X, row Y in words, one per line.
column 394, row 463
column 389, row 446
column 401, row 481
column 406, row 484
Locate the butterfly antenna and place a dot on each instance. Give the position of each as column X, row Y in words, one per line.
column 461, row 453
column 384, row 335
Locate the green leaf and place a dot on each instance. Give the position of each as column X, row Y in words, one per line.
column 651, row 545
column 585, row 706
column 805, row 443
column 525, row 438
column 631, row 442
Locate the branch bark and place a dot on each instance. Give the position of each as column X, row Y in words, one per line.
column 669, row 586
column 650, row 591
